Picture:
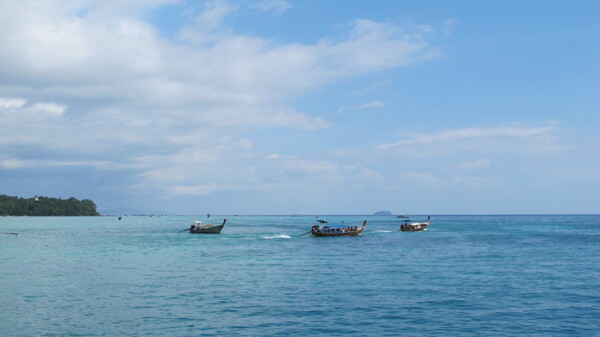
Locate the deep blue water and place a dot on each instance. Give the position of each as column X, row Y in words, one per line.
column 465, row 276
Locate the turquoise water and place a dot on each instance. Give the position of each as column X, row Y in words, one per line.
column 464, row 276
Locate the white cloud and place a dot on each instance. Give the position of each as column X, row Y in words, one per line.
column 16, row 113
column 378, row 104
column 375, row 46
column 14, row 163
column 371, row 87
column 309, row 167
column 413, row 180
column 480, row 183
column 18, row 106
column 475, row 164
column 275, row 7
column 121, row 57
column 11, row 103
column 205, row 189
column 449, row 25
column 49, row 108
column 174, row 110
column 471, row 133
column 214, row 13
column 373, row 104
column 422, row 177
column 361, row 172
column 131, row 5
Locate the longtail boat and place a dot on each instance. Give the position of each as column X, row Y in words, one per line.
column 317, row 230
column 409, row 226
column 200, row 228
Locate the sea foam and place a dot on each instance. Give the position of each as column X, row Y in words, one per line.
column 277, row 236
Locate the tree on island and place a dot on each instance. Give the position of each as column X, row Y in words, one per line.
column 45, row 206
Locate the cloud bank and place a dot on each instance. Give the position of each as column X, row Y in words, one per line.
column 95, row 85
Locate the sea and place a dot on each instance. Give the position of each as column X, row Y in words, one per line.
column 466, row 275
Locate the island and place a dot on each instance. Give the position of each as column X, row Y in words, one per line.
column 45, row 206
column 383, row 213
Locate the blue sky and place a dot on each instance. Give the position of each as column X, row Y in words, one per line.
column 311, row 107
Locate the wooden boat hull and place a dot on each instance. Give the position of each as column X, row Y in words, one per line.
column 350, row 233
column 207, row 230
column 414, row 227
column 321, row 233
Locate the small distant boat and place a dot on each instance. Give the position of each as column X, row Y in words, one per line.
column 409, row 226
column 200, row 228
column 208, row 215
column 120, row 218
column 317, row 230
column 402, row 216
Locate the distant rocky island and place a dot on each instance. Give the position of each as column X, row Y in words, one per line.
column 45, row 206
column 383, row 213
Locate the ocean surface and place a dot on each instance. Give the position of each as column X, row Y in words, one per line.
column 533, row 275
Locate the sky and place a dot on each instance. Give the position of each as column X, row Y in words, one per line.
column 308, row 107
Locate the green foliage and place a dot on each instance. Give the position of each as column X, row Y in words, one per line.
column 44, row 206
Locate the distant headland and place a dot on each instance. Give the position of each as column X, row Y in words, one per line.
column 383, row 213
column 45, row 206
